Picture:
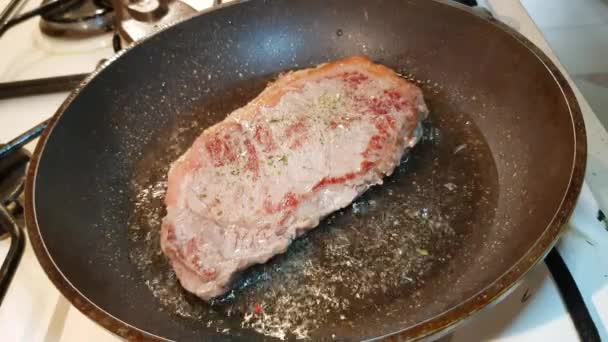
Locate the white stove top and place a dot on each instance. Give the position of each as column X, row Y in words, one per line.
column 33, row 309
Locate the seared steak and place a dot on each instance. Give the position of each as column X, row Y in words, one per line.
column 308, row 145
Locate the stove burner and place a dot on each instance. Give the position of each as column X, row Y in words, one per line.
column 12, row 175
column 83, row 19
column 13, row 167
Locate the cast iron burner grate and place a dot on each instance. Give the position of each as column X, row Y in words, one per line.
column 12, row 177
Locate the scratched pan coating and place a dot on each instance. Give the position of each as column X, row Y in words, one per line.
column 473, row 206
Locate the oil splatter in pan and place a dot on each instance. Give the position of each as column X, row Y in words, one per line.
column 388, row 245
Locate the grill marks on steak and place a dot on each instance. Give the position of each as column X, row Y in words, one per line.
column 308, row 145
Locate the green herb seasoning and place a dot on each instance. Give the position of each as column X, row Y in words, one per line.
column 284, row 159
column 422, row 251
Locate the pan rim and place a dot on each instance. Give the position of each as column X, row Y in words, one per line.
column 556, row 226
column 443, row 322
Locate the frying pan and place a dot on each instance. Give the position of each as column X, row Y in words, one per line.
column 476, row 204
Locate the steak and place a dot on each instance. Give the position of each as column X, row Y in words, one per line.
column 308, row 145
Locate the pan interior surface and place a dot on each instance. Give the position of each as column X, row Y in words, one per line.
column 469, row 202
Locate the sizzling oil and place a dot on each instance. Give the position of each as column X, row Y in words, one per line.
column 391, row 242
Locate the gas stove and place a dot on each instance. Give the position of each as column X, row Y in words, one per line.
column 33, row 310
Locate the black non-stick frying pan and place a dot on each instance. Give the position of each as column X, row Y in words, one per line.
column 476, row 204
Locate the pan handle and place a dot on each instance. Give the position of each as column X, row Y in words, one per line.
column 15, row 252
